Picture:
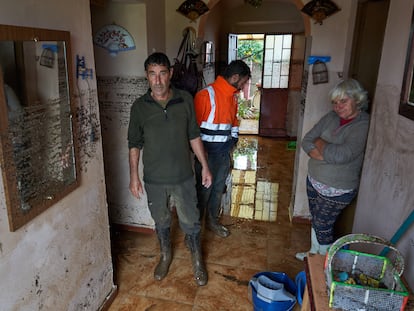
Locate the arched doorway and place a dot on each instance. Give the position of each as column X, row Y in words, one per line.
column 272, row 17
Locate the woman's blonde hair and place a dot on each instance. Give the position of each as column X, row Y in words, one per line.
column 352, row 89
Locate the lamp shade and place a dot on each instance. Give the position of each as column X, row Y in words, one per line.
column 114, row 39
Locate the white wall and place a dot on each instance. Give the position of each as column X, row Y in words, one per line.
column 61, row 260
column 174, row 27
column 132, row 17
column 386, row 192
column 332, row 38
column 121, row 79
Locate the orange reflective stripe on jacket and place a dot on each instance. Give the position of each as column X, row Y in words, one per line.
column 216, row 111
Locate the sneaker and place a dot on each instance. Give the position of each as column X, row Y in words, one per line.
column 301, row 256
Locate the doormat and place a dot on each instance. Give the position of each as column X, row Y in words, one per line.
column 291, row 145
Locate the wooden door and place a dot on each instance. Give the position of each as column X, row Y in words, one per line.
column 274, row 91
column 367, row 45
column 273, row 110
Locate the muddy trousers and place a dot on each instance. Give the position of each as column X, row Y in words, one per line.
column 185, row 199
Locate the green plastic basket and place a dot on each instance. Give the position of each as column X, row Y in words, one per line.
column 345, row 295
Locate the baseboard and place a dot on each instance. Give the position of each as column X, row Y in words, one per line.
column 300, row 220
column 123, row 227
column 109, row 299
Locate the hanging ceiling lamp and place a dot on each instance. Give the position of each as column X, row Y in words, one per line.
column 255, row 3
column 114, row 39
column 193, row 9
column 320, row 9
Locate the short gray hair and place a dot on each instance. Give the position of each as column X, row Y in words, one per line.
column 352, row 89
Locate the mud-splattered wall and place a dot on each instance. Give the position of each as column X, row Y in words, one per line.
column 116, row 95
column 61, row 259
column 385, row 198
column 87, row 125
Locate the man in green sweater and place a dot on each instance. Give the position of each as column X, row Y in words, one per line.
column 163, row 121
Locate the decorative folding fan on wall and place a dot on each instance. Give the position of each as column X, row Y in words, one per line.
column 193, row 9
column 114, row 39
column 255, row 3
column 320, row 9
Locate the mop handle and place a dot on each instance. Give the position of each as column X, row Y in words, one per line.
column 400, row 232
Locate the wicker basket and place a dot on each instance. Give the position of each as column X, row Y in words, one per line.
column 382, row 288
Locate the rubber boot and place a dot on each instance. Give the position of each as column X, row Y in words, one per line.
column 218, row 229
column 314, row 246
column 161, row 270
column 214, row 225
column 199, row 269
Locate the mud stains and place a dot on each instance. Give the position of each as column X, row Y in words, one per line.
column 116, row 95
column 90, row 296
column 232, row 278
column 37, row 286
column 87, row 126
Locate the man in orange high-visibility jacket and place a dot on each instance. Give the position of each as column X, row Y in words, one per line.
column 216, row 113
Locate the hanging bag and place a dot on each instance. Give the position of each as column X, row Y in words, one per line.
column 185, row 73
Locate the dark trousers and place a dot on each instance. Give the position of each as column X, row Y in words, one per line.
column 209, row 199
column 325, row 210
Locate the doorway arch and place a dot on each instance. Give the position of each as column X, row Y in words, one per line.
column 280, row 5
column 271, row 17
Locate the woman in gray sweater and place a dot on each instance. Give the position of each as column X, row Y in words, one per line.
column 336, row 146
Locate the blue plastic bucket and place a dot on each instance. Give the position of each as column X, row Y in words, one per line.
column 301, row 285
column 262, row 305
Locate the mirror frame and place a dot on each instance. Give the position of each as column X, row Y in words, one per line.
column 16, row 215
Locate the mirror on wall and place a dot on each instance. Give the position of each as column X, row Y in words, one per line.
column 38, row 153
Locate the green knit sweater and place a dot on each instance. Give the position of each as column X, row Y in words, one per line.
column 163, row 135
